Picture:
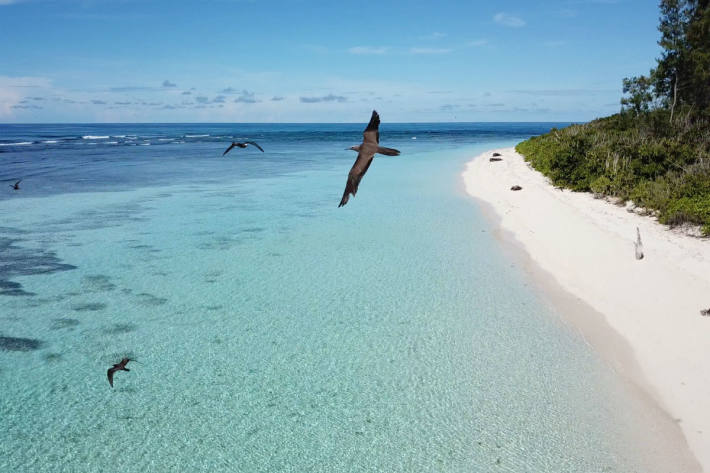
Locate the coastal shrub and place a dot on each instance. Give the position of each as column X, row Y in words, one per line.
column 652, row 194
column 688, row 210
column 601, row 186
column 661, row 166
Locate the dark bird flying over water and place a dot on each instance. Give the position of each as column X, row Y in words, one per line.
column 365, row 152
column 16, row 186
column 242, row 145
column 117, row 367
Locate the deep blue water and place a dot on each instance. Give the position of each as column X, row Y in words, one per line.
column 96, row 157
column 275, row 331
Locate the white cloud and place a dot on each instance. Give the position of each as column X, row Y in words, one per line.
column 26, row 81
column 368, row 50
column 478, row 42
column 508, row 20
column 429, row 50
column 434, row 35
column 11, row 90
column 325, row 98
column 246, row 97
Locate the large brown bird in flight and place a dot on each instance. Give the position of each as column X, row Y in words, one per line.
column 121, row 366
column 365, row 152
column 241, row 145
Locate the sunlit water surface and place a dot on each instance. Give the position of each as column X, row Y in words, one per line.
column 275, row 331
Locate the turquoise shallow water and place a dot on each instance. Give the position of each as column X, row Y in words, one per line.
column 276, row 332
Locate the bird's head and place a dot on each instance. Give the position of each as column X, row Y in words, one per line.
column 354, row 148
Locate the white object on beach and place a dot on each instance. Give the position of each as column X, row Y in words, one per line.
column 638, row 245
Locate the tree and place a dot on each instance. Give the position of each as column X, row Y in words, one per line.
column 672, row 66
column 682, row 75
column 640, row 96
column 698, row 36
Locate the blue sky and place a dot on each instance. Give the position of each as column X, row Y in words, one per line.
column 319, row 61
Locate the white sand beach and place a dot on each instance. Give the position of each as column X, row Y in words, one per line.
column 587, row 246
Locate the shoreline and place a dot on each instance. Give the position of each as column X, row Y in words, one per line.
column 641, row 316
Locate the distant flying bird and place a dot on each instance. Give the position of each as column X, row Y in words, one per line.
column 365, row 152
column 16, row 186
column 117, row 367
column 242, row 145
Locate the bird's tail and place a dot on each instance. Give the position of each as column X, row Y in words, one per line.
column 387, row 151
column 344, row 200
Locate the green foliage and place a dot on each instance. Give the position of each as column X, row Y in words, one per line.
column 602, row 185
column 698, row 35
column 661, row 167
column 640, row 96
column 687, row 209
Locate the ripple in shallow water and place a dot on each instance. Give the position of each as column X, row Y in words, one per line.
column 63, row 323
column 150, row 300
column 117, row 329
column 89, row 307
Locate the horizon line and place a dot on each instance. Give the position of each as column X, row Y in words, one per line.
column 282, row 123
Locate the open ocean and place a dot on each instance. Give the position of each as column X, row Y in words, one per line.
column 276, row 332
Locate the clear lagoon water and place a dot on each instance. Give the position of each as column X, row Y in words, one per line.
column 273, row 330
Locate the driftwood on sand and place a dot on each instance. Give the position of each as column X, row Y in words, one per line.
column 638, row 246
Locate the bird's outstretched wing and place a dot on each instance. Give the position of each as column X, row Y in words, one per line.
column 387, row 151
column 109, row 373
column 229, row 149
column 372, row 132
column 362, row 163
column 18, row 182
column 255, row 144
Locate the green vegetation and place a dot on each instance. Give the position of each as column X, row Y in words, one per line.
column 656, row 151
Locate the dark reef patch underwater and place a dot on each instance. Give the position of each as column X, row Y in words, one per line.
column 19, row 344
column 19, row 261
